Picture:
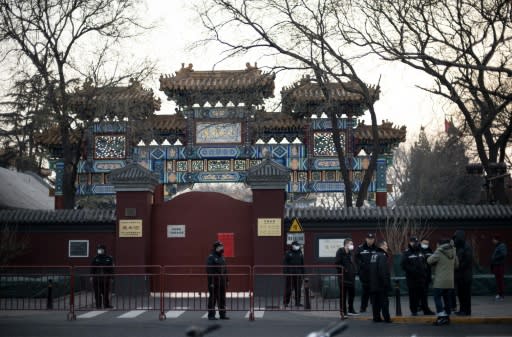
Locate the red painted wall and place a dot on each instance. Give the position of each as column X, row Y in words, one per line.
column 204, row 214
column 479, row 239
column 135, row 251
column 51, row 248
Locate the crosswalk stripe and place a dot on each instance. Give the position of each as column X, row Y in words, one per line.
column 132, row 314
column 91, row 314
column 205, row 315
column 174, row 313
column 257, row 314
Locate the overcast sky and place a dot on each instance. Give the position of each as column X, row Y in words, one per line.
column 178, row 26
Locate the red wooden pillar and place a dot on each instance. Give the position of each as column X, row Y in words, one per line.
column 134, row 186
column 268, row 181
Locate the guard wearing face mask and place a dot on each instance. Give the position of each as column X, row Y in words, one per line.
column 102, row 270
column 415, row 267
column 363, row 255
column 427, row 252
column 294, row 268
column 344, row 259
column 217, row 281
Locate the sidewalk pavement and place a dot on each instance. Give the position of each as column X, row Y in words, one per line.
column 484, row 310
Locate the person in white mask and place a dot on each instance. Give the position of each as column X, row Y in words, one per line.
column 294, row 269
column 347, row 276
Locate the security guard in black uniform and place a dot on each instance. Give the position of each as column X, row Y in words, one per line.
column 363, row 255
column 102, row 270
column 380, row 283
column 217, row 281
column 414, row 264
column 294, row 268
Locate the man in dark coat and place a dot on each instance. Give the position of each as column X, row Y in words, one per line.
column 363, row 255
column 498, row 266
column 415, row 266
column 463, row 274
column 347, row 283
column 217, row 281
column 294, row 268
column 380, row 283
column 102, row 270
column 427, row 252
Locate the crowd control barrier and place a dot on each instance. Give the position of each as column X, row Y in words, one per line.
column 170, row 290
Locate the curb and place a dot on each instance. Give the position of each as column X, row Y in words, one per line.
column 453, row 319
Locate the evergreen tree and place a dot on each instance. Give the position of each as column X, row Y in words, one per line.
column 436, row 174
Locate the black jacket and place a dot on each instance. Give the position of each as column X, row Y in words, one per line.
column 362, row 256
column 415, row 266
column 216, row 268
column 294, row 262
column 499, row 255
column 344, row 260
column 380, row 278
column 427, row 252
column 102, row 264
column 465, row 256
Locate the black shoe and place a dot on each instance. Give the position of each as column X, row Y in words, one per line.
column 442, row 321
column 388, row 321
column 212, row 318
column 428, row 313
column 224, row 317
column 414, row 314
column 109, row 307
column 362, row 310
column 298, row 305
column 377, row 320
column 461, row 313
column 352, row 313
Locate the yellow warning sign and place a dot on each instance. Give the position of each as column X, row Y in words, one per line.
column 295, row 227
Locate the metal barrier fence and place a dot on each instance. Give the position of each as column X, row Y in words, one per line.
column 35, row 288
column 187, row 288
column 117, row 288
column 170, row 289
column 292, row 288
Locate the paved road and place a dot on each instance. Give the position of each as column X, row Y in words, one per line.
column 286, row 324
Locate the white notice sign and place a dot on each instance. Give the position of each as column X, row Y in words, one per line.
column 175, row 231
column 329, row 247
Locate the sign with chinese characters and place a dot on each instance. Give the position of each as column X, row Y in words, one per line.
column 175, row 231
column 269, row 226
column 329, row 247
column 299, row 237
column 130, row 228
column 218, row 133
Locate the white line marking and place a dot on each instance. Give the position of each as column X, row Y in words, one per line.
column 174, row 313
column 257, row 314
column 132, row 314
column 91, row 314
column 144, row 308
column 205, row 315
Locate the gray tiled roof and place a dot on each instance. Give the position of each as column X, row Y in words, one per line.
column 133, row 173
column 440, row 212
column 60, row 216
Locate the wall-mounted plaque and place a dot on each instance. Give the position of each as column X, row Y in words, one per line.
column 130, row 228
column 78, row 248
column 269, row 226
column 218, row 133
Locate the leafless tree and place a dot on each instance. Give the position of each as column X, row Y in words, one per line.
column 465, row 46
column 54, row 36
column 305, row 35
column 397, row 232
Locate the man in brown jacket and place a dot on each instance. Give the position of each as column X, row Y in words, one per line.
column 443, row 262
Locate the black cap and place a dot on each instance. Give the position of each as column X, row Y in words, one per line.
column 413, row 239
column 101, row 246
column 370, row 236
column 217, row 243
column 295, row 243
